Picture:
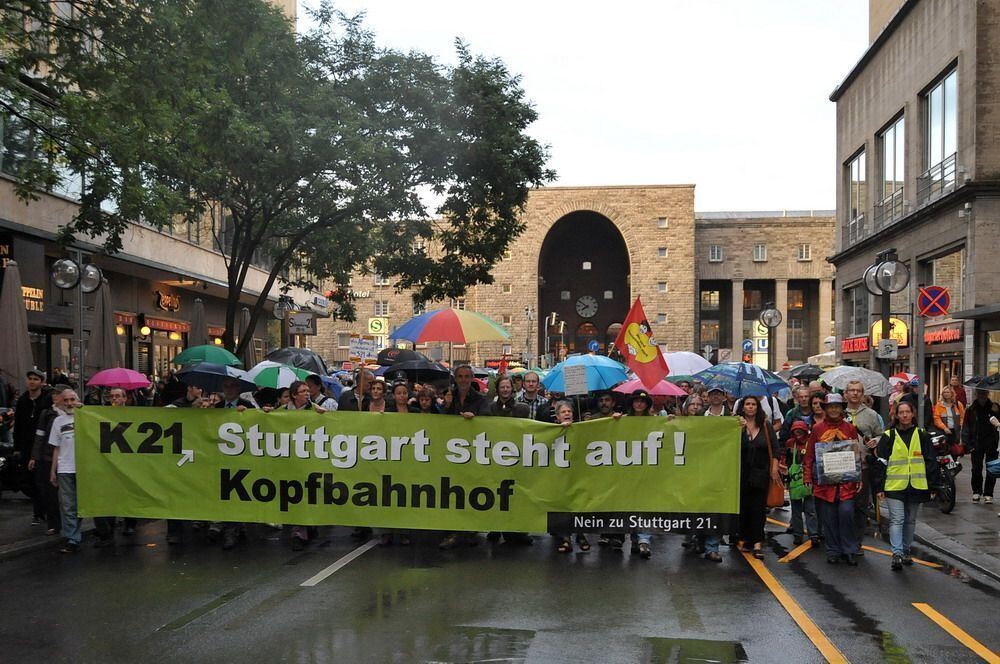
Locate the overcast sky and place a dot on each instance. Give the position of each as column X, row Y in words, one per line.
column 731, row 95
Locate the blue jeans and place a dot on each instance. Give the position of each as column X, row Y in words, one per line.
column 804, row 507
column 712, row 540
column 837, row 520
column 71, row 529
column 902, row 524
column 643, row 538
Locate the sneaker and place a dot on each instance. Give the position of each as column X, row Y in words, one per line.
column 603, row 540
column 850, row 560
column 298, row 544
column 713, row 556
column 229, row 540
column 975, row 497
column 51, row 531
column 213, row 535
column 449, row 542
column 70, row 547
column 618, row 542
column 897, row 563
column 797, row 540
column 907, row 559
column 36, row 521
column 644, row 551
column 988, row 500
column 173, row 540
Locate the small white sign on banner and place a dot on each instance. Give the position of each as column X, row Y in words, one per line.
column 575, row 380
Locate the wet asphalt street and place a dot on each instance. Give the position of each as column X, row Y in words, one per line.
column 145, row 601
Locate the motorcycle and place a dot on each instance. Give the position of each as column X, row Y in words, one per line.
column 950, row 467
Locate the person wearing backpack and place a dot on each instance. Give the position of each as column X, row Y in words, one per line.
column 799, row 492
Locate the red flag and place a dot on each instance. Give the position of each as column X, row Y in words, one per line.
column 635, row 342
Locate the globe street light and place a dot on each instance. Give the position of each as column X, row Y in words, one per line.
column 770, row 318
column 887, row 275
column 69, row 273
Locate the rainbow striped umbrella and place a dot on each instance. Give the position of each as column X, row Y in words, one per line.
column 452, row 325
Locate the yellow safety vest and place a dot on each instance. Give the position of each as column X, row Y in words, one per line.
column 906, row 466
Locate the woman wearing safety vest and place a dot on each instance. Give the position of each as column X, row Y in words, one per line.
column 905, row 478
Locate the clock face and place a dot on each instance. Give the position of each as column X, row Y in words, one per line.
column 586, row 306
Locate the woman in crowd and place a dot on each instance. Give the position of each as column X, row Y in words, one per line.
column 506, row 403
column 640, row 404
column 427, row 401
column 401, row 398
column 706, row 541
column 564, row 416
column 949, row 414
column 904, row 478
column 299, row 391
column 694, row 405
column 758, row 468
column 816, row 407
column 377, row 403
column 284, row 397
column 834, row 500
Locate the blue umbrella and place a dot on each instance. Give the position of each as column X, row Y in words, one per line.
column 332, row 386
column 210, row 377
column 741, row 379
column 603, row 373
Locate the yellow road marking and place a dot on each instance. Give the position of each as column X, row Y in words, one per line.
column 886, row 552
column 805, row 623
column 796, row 552
column 958, row 633
column 778, row 523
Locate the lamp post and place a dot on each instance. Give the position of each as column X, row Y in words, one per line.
column 887, row 275
column 67, row 274
column 281, row 309
column 529, row 314
column 770, row 318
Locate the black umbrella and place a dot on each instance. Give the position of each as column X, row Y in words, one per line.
column 389, row 356
column 303, row 358
column 420, row 371
column 210, row 377
column 805, row 372
column 989, row 382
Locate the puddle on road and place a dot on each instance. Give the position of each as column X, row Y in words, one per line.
column 681, row 651
column 478, row 644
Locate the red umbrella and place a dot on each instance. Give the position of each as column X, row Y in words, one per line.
column 123, row 378
column 662, row 389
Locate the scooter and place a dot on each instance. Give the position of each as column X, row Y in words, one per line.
column 950, row 467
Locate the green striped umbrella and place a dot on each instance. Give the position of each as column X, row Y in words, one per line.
column 273, row 374
column 207, row 353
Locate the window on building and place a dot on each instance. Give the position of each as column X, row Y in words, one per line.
column 709, row 332
column 661, row 252
column 857, row 311
column 753, row 299
column 419, row 308
column 715, row 253
column 586, row 265
column 507, row 319
column 507, row 289
column 343, row 340
column 609, row 295
column 381, row 307
column 662, row 222
column 893, row 146
column 458, row 303
column 805, row 252
column 759, row 253
column 564, row 295
column 380, row 280
column 661, row 318
column 420, row 245
column 856, row 191
column 796, row 299
column 942, row 120
column 710, row 300
column 661, row 286
column 796, row 334
column 507, row 255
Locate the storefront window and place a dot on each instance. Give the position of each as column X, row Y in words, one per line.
column 993, row 353
column 166, row 346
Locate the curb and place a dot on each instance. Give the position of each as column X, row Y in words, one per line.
column 956, row 550
column 16, row 549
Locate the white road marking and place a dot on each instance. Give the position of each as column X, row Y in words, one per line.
column 339, row 564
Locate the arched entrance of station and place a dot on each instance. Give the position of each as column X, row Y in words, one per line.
column 584, row 272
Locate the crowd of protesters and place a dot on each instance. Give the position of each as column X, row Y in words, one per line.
column 778, row 445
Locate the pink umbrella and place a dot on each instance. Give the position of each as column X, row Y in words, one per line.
column 662, row 389
column 123, row 378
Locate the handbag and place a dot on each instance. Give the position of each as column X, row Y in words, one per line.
column 775, row 489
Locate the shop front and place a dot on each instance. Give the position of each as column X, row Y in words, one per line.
column 944, row 352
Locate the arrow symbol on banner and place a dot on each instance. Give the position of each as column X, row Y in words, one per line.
column 186, row 455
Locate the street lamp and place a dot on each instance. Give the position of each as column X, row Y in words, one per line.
column 70, row 273
column 887, row 275
column 282, row 307
column 770, row 318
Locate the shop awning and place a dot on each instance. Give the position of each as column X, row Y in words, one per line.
column 978, row 313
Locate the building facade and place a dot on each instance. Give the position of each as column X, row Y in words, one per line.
column 918, row 157
column 588, row 252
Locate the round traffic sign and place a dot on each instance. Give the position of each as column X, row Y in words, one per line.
column 748, row 345
column 593, row 346
column 933, row 301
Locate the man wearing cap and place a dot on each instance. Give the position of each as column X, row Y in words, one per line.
column 717, row 405
column 27, row 412
column 834, row 502
column 41, row 460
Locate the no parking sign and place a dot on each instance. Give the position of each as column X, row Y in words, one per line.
column 933, row 301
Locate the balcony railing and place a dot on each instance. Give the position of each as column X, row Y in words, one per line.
column 889, row 210
column 855, row 231
column 937, row 181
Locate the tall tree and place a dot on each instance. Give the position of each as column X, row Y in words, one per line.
column 311, row 152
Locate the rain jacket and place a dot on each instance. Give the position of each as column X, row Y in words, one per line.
column 828, row 492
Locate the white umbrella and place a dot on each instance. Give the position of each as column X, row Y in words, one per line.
column 275, row 374
column 685, row 363
column 874, row 383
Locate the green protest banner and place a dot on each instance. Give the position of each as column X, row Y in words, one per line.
column 406, row 470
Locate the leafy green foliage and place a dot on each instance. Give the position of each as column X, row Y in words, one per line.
column 309, row 153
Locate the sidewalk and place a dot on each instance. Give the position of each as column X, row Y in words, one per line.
column 970, row 534
column 17, row 535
